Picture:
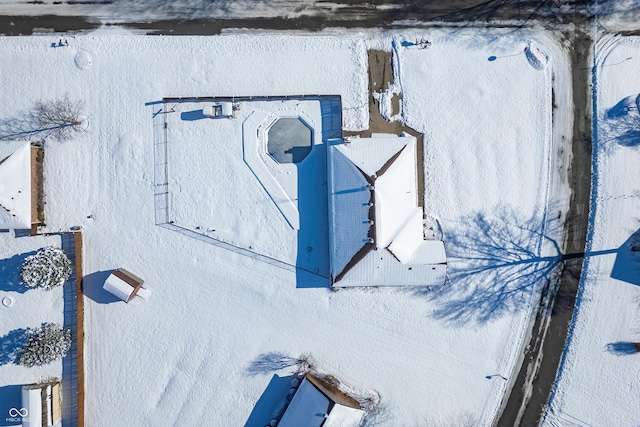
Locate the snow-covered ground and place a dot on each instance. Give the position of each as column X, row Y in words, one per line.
column 598, row 378
column 22, row 309
column 204, row 348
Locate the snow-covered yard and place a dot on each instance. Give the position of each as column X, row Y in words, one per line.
column 22, row 309
column 598, row 378
column 204, row 348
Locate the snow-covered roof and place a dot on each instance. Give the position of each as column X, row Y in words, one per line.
column 32, row 402
column 348, row 209
column 311, row 408
column 122, row 284
column 383, row 246
column 15, row 185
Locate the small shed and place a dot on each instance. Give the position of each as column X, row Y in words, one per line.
column 316, row 404
column 218, row 109
column 42, row 402
column 124, row 285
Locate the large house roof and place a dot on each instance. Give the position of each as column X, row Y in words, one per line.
column 376, row 232
column 15, row 185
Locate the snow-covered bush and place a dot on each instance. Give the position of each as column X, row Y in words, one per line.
column 48, row 268
column 45, row 344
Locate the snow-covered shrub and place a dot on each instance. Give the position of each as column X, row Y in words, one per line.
column 45, row 344
column 48, row 268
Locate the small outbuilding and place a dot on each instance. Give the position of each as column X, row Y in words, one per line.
column 316, row 404
column 42, row 404
column 124, row 285
column 218, row 109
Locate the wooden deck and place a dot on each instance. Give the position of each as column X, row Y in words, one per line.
column 37, row 188
column 80, row 327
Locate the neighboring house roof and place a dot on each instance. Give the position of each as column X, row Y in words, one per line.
column 311, row 407
column 40, row 404
column 376, row 231
column 32, row 402
column 15, row 185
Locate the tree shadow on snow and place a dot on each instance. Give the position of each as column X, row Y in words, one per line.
column 621, row 124
column 10, row 273
column 92, row 287
column 267, row 363
column 493, row 264
column 272, row 403
column 11, row 344
column 623, row 348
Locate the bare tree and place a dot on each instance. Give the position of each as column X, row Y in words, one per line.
column 60, row 118
column 45, row 344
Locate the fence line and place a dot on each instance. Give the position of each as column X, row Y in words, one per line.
column 73, row 361
column 331, row 122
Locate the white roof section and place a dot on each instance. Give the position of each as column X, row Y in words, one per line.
column 411, row 249
column 400, row 255
column 371, row 154
column 344, row 416
column 311, row 408
column 381, row 268
column 118, row 287
column 227, row 108
column 396, row 195
column 32, row 402
column 15, row 185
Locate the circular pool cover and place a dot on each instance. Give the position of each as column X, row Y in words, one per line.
column 289, row 140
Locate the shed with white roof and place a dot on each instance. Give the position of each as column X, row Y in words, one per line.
column 124, row 285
